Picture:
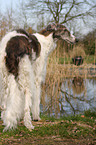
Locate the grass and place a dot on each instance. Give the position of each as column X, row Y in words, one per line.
column 71, row 129
column 68, row 60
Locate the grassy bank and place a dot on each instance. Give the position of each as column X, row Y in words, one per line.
column 80, row 129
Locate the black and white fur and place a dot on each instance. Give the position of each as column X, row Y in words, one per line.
column 20, row 83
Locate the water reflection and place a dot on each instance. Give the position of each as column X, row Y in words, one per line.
column 69, row 97
column 78, row 85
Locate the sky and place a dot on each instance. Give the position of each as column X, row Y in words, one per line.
column 4, row 4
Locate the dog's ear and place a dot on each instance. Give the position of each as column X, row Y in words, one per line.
column 35, row 45
column 22, row 31
column 54, row 27
column 51, row 27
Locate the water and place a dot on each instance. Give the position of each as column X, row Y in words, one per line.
column 81, row 97
column 70, row 97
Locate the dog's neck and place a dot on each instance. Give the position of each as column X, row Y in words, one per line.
column 47, row 44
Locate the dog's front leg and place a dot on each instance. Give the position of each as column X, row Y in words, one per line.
column 36, row 102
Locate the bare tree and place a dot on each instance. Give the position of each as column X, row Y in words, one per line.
column 63, row 11
column 38, row 13
column 6, row 21
column 21, row 17
column 9, row 17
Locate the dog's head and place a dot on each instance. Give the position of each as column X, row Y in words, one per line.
column 61, row 32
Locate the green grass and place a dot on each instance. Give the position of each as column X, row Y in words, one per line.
column 72, row 127
column 88, row 59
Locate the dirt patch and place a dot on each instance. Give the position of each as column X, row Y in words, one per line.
column 24, row 137
column 53, row 140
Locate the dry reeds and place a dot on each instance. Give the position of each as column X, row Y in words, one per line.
column 78, row 51
column 56, row 74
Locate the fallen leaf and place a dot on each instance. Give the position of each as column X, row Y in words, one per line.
column 82, row 116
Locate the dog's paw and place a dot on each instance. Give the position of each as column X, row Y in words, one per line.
column 8, row 128
column 29, row 125
column 30, row 128
column 36, row 119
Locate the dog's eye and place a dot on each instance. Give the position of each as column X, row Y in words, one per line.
column 67, row 33
column 48, row 27
column 58, row 26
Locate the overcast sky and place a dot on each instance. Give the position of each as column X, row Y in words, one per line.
column 5, row 4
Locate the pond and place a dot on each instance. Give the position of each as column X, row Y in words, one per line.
column 69, row 97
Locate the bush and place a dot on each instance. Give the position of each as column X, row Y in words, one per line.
column 89, row 42
column 78, row 51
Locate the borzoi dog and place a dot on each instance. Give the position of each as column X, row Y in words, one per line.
column 23, row 60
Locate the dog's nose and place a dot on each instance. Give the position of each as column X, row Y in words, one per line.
column 76, row 40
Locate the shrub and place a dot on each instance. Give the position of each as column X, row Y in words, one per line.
column 78, row 51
